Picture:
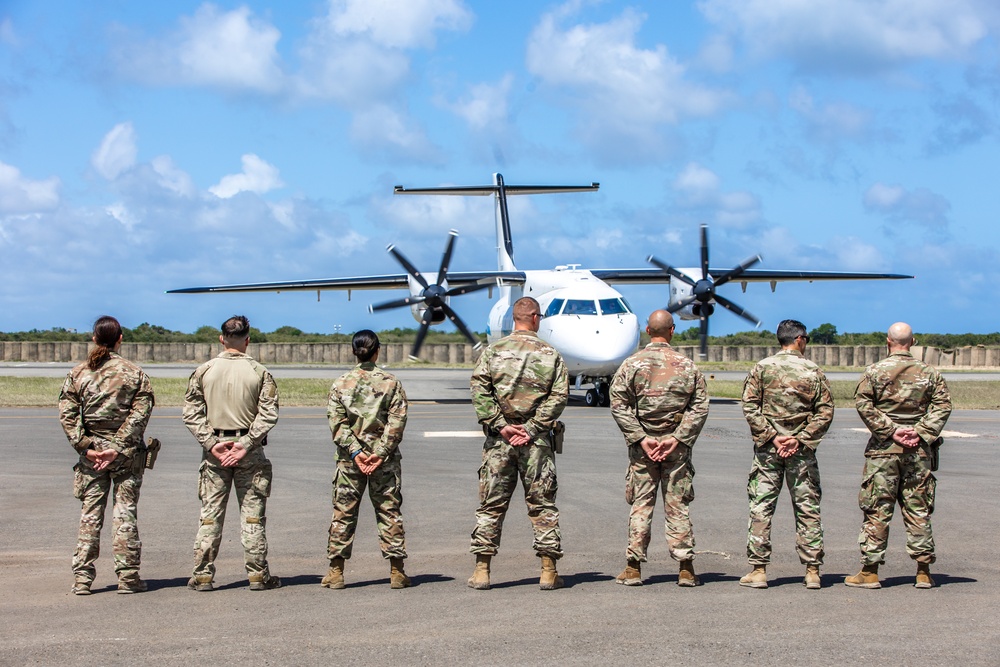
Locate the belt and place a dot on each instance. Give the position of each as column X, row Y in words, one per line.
column 231, row 433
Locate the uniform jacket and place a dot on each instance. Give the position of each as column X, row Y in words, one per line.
column 367, row 412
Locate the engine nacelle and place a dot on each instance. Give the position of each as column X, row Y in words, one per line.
column 418, row 309
column 680, row 291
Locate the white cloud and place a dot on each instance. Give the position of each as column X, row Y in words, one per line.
column 485, row 105
column 117, row 152
column 257, row 176
column 383, row 129
column 20, row 195
column 353, row 73
column 171, row 177
column 699, row 189
column 623, row 93
column 899, row 205
column 852, row 35
column 229, row 49
column 7, row 34
column 398, row 25
column 838, row 120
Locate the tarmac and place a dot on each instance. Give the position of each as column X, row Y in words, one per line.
column 442, row 621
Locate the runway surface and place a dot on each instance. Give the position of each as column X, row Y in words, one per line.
column 440, row 620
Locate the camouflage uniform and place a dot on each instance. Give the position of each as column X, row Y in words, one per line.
column 367, row 413
column 232, row 398
column 896, row 392
column 519, row 379
column 107, row 408
column 658, row 392
column 786, row 394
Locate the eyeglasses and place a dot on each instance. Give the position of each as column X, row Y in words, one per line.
column 805, row 337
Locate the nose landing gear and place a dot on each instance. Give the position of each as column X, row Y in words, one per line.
column 598, row 396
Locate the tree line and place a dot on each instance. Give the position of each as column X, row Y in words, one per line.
column 824, row 334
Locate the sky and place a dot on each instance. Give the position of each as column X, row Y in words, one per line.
column 152, row 146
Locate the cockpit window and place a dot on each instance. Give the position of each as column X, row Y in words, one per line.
column 575, row 307
column 613, row 307
column 554, row 307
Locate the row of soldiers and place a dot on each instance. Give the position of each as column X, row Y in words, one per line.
column 519, row 389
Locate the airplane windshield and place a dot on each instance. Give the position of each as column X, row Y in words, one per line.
column 613, row 307
column 554, row 307
column 575, row 307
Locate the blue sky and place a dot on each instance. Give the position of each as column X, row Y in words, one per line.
column 151, row 146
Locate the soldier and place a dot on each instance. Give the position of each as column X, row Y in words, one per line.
column 367, row 415
column 230, row 406
column 104, row 406
column 905, row 404
column 519, row 388
column 659, row 399
column 788, row 404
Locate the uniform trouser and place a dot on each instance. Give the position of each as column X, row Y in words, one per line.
column 767, row 474
column 252, row 479
column 898, row 478
column 385, row 490
column 93, row 487
column 503, row 463
column 675, row 477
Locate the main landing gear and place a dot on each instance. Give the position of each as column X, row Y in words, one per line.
column 598, row 396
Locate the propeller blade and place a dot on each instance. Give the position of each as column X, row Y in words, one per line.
column 703, row 336
column 466, row 289
column 732, row 307
column 737, row 270
column 446, row 258
column 682, row 304
column 704, row 252
column 397, row 303
column 663, row 266
column 425, row 323
column 412, row 270
column 460, row 325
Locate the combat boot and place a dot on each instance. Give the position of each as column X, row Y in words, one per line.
column 924, row 579
column 264, row 582
column 686, row 575
column 631, row 575
column 480, row 579
column 80, row 588
column 397, row 578
column 334, row 579
column 550, row 579
column 812, row 580
column 126, row 587
column 203, row 584
column 866, row 578
column 756, row 578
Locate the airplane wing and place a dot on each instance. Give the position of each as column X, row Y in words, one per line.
column 389, row 281
column 482, row 190
column 656, row 276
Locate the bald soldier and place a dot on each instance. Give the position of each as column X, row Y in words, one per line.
column 520, row 386
column 659, row 399
column 905, row 404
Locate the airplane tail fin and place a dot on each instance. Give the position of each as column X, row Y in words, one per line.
column 505, row 243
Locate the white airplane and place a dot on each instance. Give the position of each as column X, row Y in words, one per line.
column 584, row 317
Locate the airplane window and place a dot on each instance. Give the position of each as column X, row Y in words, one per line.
column 554, row 307
column 628, row 306
column 574, row 307
column 612, row 307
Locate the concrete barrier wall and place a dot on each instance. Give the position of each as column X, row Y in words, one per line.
column 459, row 353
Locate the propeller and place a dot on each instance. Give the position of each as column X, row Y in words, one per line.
column 433, row 295
column 703, row 291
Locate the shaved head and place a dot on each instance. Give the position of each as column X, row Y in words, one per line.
column 900, row 335
column 660, row 323
column 525, row 309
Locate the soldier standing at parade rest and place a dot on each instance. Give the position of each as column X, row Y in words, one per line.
column 367, row 415
column 230, row 406
column 520, row 386
column 788, row 404
column 104, row 406
column 659, row 399
column 905, row 404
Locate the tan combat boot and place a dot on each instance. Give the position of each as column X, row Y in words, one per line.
column 130, row 586
column 550, row 579
column 924, row 579
column 480, row 579
column 334, row 579
column 866, row 578
column 631, row 575
column 201, row 583
column 397, row 578
column 686, row 575
column 812, row 580
column 264, row 582
column 756, row 578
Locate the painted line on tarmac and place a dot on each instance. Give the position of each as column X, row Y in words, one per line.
column 944, row 434
column 453, row 434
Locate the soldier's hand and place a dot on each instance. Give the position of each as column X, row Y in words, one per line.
column 372, row 464
column 101, row 459
column 907, row 437
column 786, row 445
column 220, row 450
column 234, row 455
column 361, row 461
column 515, row 434
column 652, row 448
column 667, row 447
